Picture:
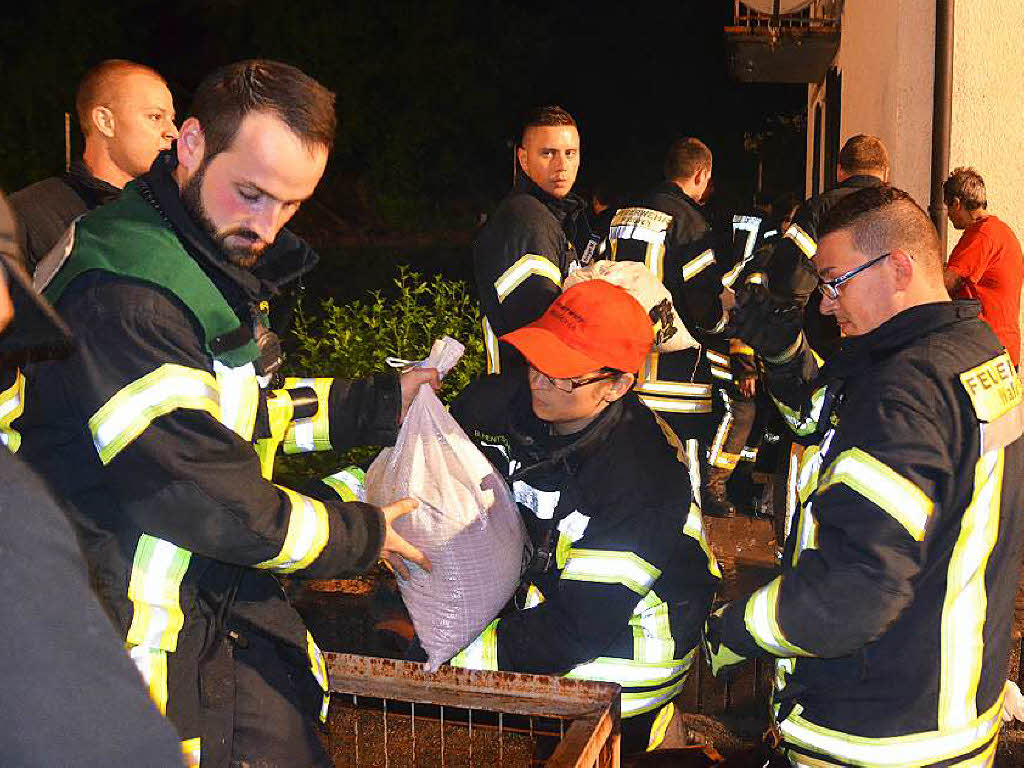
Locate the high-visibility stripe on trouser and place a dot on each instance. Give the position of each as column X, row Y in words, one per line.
column 191, row 750
column 610, row 567
column 308, row 531
column 152, row 665
column 154, row 587
column 660, row 726
column 319, row 668
column 12, row 405
column 646, row 686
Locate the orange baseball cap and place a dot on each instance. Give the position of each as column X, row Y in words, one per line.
column 592, row 325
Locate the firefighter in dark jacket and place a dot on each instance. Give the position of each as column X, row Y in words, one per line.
column 622, row 576
column 668, row 232
column 536, row 236
column 148, row 430
column 891, row 619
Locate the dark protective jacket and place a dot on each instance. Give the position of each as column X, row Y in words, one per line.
column 891, row 618
column 148, row 432
column 48, row 207
column 622, row 574
column 789, row 271
column 520, row 258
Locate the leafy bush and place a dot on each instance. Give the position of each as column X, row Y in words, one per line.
column 353, row 340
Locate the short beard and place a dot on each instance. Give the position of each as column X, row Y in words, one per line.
column 192, row 199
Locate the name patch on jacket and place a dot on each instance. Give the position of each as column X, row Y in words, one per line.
column 642, row 218
column 993, row 387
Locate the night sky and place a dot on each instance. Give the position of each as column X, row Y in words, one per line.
column 429, row 94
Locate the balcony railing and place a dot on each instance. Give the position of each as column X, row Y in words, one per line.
column 819, row 16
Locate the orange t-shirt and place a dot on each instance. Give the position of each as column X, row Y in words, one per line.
column 988, row 258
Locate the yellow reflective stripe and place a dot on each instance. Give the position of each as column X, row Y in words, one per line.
column 280, row 410
column 722, row 432
column 660, row 726
column 530, row 264
column 311, row 434
column 482, row 653
column 239, row 398
column 904, row 501
column 191, row 750
column 668, row 405
column 534, row 597
column 349, row 484
column 761, row 619
column 491, row 347
column 913, row 749
column 630, row 673
column 802, row 240
column 965, row 606
column 800, row 425
column 694, row 528
column 318, row 667
column 807, row 533
column 152, row 665
column 654, row 259
column 721, row 373
column 717, row 357
column 634, row 703
column 698, row 264
column 680, row 388
column 154, row 588
column 12, row 405
column 308, row 531
column 128, row 413
column 608, row 567
column 652, row 632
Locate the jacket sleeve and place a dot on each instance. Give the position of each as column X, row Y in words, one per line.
column 790, row 386
column 863, row 534
column 790, row 273
column 142, row 384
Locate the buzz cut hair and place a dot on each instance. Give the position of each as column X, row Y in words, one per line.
column 883, row 218
column 227, row 95
column 863, row 153
column 685, row 157
column 540, row 117
column 99, row 87
column 967, row 186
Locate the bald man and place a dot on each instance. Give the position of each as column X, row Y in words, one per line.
column 127, row 116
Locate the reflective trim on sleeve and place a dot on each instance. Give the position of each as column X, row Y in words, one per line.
column 128, row 413
column 652, row 631
column 12, row 405
column 308, row 531
column 239, row 398
column 722, row 374
column 311, row 434
column 154, row 588
column 192, row 752
column 900, row 498
column 803, row 426
column 482, row 653
column 761, row 618
column 349, row 484
column 965, row 606
column 698, row 264
column 717, row 358
column 609, row 567
column 638, row 703
column 802, row 240
column 678, row 388
column 152, row 665
column 318, row 667
column 570, row 530
column 632, row 674
column 694, row 528
column 806, row 532
column 922, row 748
column 516, row 275
column 668, row 405
column 491, row 347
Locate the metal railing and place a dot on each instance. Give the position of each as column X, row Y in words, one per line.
column 820, row 16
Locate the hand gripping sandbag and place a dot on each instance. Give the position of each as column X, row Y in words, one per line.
column 467, row 523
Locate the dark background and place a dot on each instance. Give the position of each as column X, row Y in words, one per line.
column 429, row 99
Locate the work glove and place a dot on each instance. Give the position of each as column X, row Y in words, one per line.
column 720, row 657
column 773, row 329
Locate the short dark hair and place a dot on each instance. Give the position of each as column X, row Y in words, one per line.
column 538, row 117
column 863, row 153
column 98, row 86
column 685, row 157
column 883, row 218
column 967, row 186
column 228, row 94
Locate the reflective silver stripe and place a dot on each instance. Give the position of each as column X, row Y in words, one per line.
column 541, row 503
column 308, row 531
column 698, row 264
column 491, row 347
column 152, row 666
column 721, row 373
column 693, row 466
column 681, row 388
column 239, row 397
column 723, row 429
column 896, row 495
column 652, row 632
column 627, row 672
column 608, row 567
column 349, row 483
column 530, row 264
column 717, row 357
column 637, row 233
column 128, row 413
column 762, row 621
column 482, row 653
column 638, row 703
column 158, row 568
column 803, row 240
column 313, row 433
column 803, row 426
column 694, row 528
column 667, row 405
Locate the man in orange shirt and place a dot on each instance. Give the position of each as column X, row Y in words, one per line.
column 986, row 264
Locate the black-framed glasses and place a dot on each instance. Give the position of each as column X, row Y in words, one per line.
column 568, row 385
column 830, row 288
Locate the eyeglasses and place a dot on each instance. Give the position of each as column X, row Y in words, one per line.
column 830, row 288
column 568, row 385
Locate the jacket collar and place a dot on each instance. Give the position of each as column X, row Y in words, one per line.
column 860, row 181
column 283, row 262
column 673, row 189
column 857, row 353
column 94, row 191
column 560, row 207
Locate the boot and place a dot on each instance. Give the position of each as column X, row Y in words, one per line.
column 714, row 502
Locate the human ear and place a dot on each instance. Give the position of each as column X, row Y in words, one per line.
column 619, row 386
column 103, row 119
column 903, row 266
column 521, row 157
column 191, row 145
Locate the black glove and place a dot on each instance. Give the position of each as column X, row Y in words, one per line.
column 772, row 328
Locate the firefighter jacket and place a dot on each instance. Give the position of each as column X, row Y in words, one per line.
column 622, row 575
column 148, row 432
column 891, row 618
column 521, row 256
column 790, row 273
